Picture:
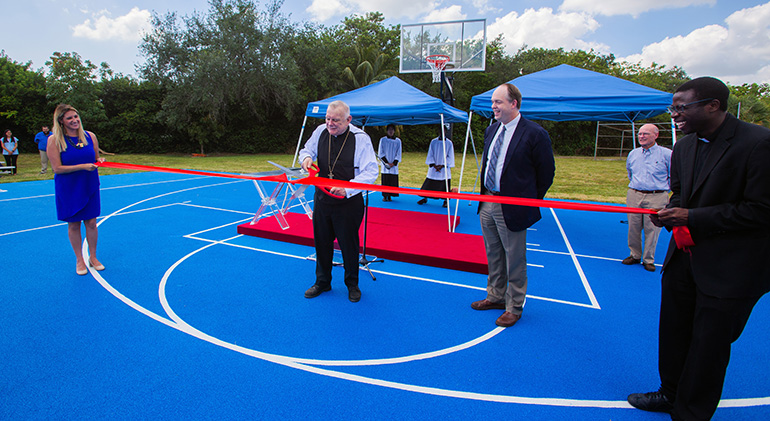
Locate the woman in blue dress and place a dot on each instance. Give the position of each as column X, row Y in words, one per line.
column 73, row 153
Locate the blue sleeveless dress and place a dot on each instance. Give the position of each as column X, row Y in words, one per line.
column 77, row 193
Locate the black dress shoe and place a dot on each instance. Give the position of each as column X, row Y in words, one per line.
column 422, row 201
column 630, row 260
column 316, row 290
column 651, row 401
column 354, row 294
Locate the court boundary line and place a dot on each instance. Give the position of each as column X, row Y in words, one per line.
column 740, row 402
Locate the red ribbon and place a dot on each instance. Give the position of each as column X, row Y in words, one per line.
column 683, row 238
column 681, row 234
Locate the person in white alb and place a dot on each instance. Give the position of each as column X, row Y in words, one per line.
column 389, row 153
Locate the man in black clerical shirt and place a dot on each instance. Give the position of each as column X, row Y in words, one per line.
column 343, row 152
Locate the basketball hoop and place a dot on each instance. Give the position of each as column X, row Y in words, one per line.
column 437, row 63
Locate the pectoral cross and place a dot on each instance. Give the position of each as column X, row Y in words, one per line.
column 331, row 175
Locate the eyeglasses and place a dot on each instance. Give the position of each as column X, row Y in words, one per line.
column 334, row 120
column 682, row 107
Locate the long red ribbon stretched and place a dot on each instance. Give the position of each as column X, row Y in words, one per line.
column 681, row 234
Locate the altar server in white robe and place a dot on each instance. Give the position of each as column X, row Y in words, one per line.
column 389, row 153
column 441, row 157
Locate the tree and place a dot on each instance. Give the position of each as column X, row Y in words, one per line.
column 369, row 32
column 71, row 80
column 372, row 67
column 754, row 102
column 225, row 71
column 22, row 100
column 132, row 124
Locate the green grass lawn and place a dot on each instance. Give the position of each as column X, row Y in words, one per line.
column 577, row 178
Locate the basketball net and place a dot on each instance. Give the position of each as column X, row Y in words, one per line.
column 437, row 63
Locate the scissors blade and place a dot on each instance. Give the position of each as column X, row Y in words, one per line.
column 300, row 191
column 288, row 171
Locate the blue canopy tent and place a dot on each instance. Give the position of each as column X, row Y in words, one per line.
column 389, row 101
column 567, row 93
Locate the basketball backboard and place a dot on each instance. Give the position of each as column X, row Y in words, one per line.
column 465, row 42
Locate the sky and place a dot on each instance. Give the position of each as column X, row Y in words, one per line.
column 728, row 39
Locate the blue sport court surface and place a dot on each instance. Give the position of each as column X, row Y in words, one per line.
column 191, row 320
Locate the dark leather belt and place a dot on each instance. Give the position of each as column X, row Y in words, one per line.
column 650, row 191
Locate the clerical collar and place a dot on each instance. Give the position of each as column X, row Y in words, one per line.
column 713, row 136
column 341, row 134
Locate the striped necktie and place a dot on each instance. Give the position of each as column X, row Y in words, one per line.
column 489, row 182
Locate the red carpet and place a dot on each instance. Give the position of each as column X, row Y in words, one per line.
column 405, row 236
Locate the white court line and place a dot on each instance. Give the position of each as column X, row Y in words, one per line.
column 383, row 383
column 98, row 217
column 218, row 209
column 347, row 363
column 587, row 256
column 583, row 279
column 107, row 188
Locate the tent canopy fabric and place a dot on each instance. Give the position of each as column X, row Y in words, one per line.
column 567, row 93
column 391, row 101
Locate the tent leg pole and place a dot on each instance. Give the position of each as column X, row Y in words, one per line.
column 596, row 139
column 462, row 168
column 296, row 151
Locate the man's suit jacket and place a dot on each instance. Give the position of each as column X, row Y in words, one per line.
column 729, row 209
column 528, row 170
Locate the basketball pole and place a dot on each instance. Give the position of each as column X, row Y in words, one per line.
column 448, row 96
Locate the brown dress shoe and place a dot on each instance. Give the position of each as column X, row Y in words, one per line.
column 630, row 260
column 508, row 319
column 650, row 267
column 487, row 305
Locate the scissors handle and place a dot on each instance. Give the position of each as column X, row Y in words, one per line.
column 313, row 171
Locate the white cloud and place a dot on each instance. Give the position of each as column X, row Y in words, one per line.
column 484, row 7
column 128, row 27
column 325, row 10
column 738, row 53
column 627, row 7
column 448, row 14
column 543, row 29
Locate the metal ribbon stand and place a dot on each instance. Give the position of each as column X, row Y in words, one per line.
column 364, row 262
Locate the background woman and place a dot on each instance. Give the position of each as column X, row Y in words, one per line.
column 10, row 149
column 73, row 153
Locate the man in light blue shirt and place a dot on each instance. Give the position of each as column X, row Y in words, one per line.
column 649, row 169
column 42, row 141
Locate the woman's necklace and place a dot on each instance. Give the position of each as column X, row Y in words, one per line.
column 78, row 145
column 334, row 164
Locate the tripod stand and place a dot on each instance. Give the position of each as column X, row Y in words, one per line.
column 364, row 262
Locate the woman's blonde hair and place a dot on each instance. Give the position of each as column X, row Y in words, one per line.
column 58, row 129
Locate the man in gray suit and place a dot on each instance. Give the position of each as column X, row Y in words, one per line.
column 517, row 162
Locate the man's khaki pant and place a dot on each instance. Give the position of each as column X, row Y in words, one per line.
column 638, row 223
